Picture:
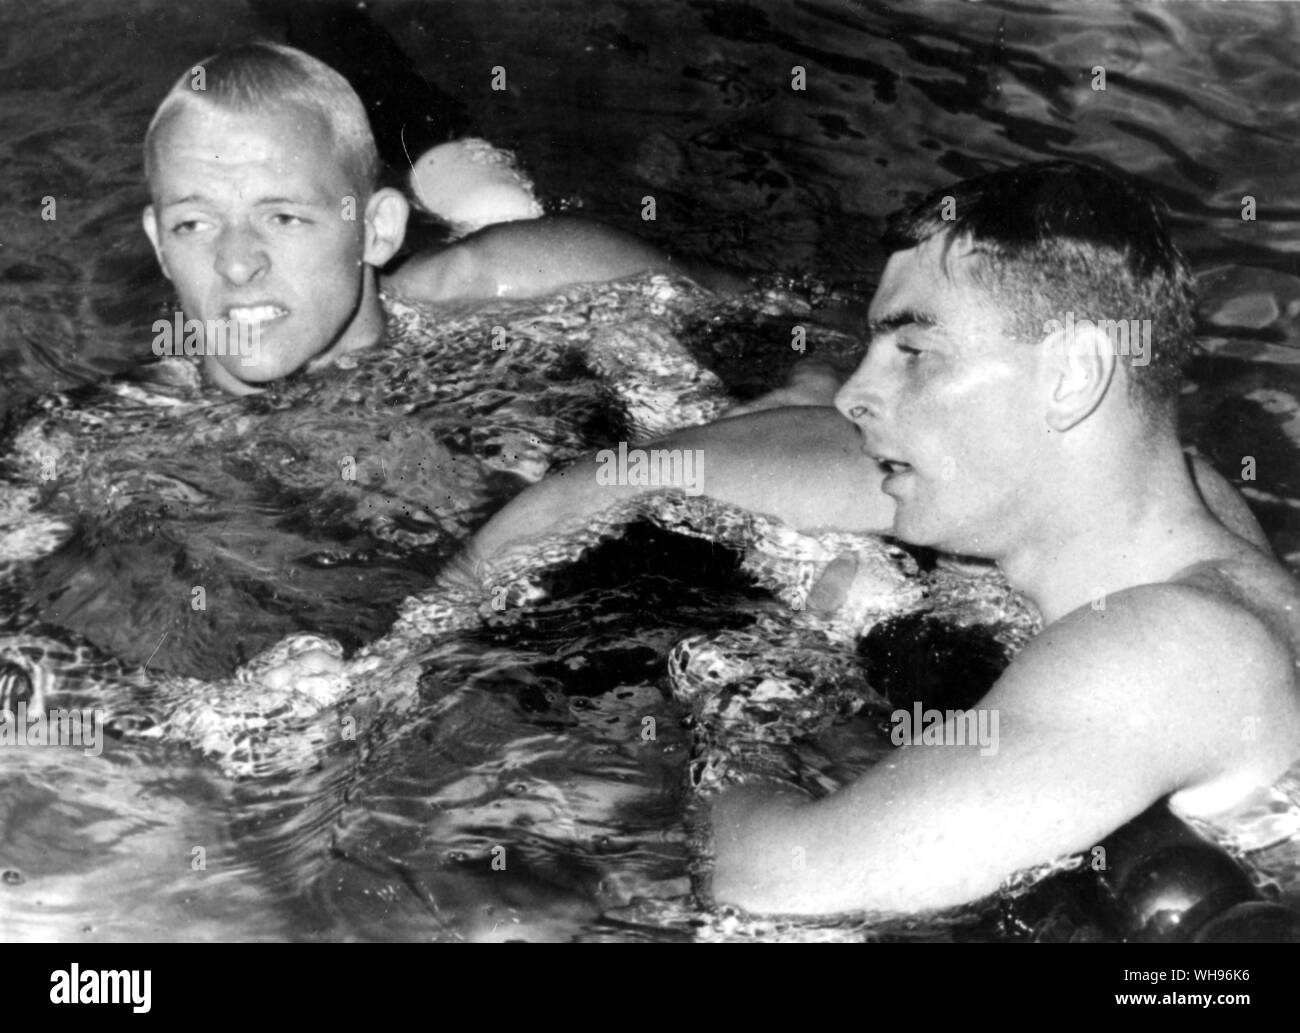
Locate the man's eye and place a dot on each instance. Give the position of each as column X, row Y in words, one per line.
column 185, row 226
column 288, row 219
column 907, row 349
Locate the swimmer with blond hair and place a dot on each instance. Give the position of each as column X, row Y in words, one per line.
column 266, row 214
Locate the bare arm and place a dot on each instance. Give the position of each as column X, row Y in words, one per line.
column 1098, row 718
column 533, row 257
column 804, row 466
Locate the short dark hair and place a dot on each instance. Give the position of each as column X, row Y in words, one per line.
column 1061, row 236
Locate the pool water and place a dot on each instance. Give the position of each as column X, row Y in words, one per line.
column 520, row 738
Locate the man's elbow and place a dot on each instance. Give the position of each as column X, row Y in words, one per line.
column 743, row 890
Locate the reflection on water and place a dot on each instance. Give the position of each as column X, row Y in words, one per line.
column 522, row 745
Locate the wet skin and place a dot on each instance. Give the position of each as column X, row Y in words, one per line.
column 1029, row 456
column 1168, row 663
column 532, row 257
column 254, row 213
column 802, row 464
column 254, row 217
column 1183, row 685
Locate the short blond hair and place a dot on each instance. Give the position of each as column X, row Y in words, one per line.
column 257, row 77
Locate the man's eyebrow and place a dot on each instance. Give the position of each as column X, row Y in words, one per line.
column 304, row 201
column 168, row 202
column 898, row 320
column 263, row 202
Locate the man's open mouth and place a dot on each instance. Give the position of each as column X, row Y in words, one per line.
column 255, row 314
column 890, row 466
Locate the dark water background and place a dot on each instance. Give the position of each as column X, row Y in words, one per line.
column 691, row 103
column 608, row 102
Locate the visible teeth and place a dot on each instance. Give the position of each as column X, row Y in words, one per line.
column 257, row 314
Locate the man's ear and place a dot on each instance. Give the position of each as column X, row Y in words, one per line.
column 386, row 213
column 1078, row 367
column 151, row 231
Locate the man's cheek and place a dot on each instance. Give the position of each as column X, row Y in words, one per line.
column 189, row 291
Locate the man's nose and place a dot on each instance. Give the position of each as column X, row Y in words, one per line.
column 241, row 255
column 859, row 397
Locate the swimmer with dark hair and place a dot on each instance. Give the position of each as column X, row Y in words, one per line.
column 999, row 414
column 267, row 216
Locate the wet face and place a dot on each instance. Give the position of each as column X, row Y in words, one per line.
column 946, row 403
column 249, row 221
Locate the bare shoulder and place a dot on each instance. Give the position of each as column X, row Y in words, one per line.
column 1206, row 626
column 1195, row 676
column 553, row 230
column 1226, row 503
column 575, row 248
column 527, row 258
column 451, row 274
column 1245, row 581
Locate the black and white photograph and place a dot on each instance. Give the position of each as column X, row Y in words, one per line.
column 666, row 471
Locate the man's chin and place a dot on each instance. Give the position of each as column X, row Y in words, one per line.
column 939, row 539
column 258, row 375
column 234, row 376
column 911, row 531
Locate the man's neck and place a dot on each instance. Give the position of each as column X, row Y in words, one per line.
column 1114, row 531
column 365, row 330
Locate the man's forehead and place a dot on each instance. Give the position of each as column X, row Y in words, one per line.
column 282, row 142
column 930, row 285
